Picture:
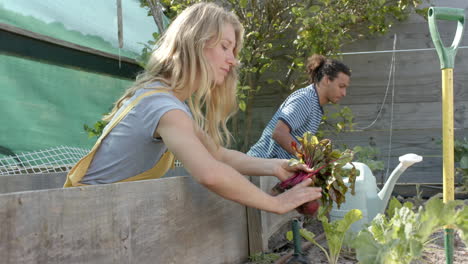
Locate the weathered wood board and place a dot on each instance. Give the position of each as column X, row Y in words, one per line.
column 53, row 180
column 30, row 182
column 171, row 220
column 262, row 225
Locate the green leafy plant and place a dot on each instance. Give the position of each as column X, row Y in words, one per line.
column 461, row 157
column 264, row 258
column 96, row 129
column 369, row 155
column 335, row 122
column 327, row 25
column 461, row 162
column 403, row 236
column 280, row 35
column 327, row 165
column 146, row 50
column 335, row 232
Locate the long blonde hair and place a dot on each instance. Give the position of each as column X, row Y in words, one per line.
column 179, row 62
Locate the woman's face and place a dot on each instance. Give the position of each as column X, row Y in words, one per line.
column 220, row 55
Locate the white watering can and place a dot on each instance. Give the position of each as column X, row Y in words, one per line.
column 368, row 198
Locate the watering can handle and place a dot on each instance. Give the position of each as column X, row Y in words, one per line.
column 446, row 55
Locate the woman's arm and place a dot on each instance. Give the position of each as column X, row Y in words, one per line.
column 248, row 165
column 177, row 131
column 253, row 166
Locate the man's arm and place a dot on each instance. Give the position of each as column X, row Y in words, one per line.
column 282, row 136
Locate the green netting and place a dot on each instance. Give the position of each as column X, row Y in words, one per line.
column 44, row 105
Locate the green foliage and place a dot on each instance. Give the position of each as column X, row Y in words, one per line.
column 403, row 235
column 369, row 155
column 280, row 35
column 341, row 120
column 335, row 233
column 325, row 26
column 332, row 124
column 461, row 157
column 96, row 130
column 146, row 50
column 264, row 258
column 461, row 161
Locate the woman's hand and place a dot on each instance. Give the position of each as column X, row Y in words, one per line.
column 283, row 171
column 296, row 196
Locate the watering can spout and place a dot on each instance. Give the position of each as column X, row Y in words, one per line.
column 405, row 162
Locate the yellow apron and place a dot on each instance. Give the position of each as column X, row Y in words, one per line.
column 160, row 168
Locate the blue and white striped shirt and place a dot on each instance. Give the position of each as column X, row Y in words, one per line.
column 301, row 111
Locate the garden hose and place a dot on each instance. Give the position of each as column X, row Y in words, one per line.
column 297, row 257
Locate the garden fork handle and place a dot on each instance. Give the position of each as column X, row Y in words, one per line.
column 446, row 55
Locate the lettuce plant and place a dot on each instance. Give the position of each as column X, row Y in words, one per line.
column 403, row 235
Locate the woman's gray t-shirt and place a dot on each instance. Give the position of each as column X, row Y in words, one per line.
column 130, row 148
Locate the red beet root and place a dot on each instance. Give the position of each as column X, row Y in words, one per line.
column 309, row 208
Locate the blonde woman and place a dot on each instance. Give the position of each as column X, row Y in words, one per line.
column 180, row 105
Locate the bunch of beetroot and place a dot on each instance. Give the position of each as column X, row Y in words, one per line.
column 327, row 165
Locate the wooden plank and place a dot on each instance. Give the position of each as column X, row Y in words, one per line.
column 424, row 142
column 406, row 115
column 409, row 36
column 254, row 226
column 172, row 220
column 412, row 33
column 427, row 171
column 417, row 78
column 263, row 225
column 410, row 190
column 260, row 118
column 30, row 182
column 271, row 223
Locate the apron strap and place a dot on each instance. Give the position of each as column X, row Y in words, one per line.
column 78, row 171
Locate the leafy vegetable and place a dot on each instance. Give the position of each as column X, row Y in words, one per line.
column 264, row 258
column 403, row 236
column 328, row 172
column 461, row 157
column 335, row 233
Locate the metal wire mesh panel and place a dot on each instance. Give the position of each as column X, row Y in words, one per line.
column 57, row 159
